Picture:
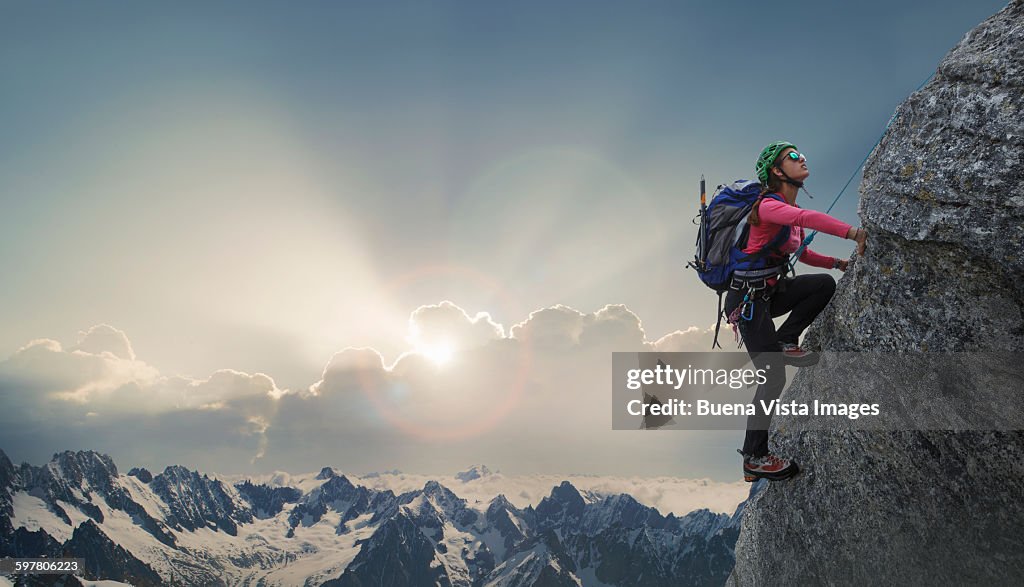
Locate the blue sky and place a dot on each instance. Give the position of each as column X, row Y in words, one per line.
column 257, row 186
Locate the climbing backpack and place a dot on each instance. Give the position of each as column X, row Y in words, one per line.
column 722, row 235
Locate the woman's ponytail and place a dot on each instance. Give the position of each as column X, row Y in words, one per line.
column 771, row 187
column 753, row 219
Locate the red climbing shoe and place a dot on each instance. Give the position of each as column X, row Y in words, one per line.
column 794, row 355
column 769, row 467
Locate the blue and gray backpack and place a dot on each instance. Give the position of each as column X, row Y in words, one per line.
column 722, row 236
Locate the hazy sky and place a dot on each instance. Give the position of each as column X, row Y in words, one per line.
column 256, row 186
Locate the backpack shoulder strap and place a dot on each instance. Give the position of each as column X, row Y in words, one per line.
column 773, row 246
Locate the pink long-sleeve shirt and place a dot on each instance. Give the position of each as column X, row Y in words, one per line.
column 775, row 214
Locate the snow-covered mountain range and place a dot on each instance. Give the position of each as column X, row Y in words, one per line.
column 184, row 527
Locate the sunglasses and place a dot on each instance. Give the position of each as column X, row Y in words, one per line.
column 796, row 156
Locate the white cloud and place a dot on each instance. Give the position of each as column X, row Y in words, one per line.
column 693, row 340
column 76, row 374
column 613, row 326
column 558, row 327
column 666, row 494
column 104, row 338
column 230, row 385
column 537, row 396
column 448, row 325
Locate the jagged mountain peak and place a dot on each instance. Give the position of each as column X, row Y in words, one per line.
column 105, row 558
column 566, row 491
column 441, row 496
column 198, row 501
column 435, row 503
column 326, row 473
column 564, row 497
column 428, row 533
column 336, row 494
column 334, row 491
column 621, row 500
column 473, row 473
column 623, row 508
column 542, row 560
column 76, row 465
column 141, row 473
column 565, row 505
column 433, row 486
column 499, row 502
column 337, row 483
column 176, row 472
column 7, row 471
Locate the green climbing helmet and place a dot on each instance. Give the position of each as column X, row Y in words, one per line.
column 767, row 158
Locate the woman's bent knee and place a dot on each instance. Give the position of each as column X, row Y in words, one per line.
column 831, row 283
column 827, row 283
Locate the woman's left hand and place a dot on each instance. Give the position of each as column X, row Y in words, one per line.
column 842, row 264
column 862, row 240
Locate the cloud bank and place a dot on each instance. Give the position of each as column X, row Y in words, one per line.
column 667, row 494
column 533, row 398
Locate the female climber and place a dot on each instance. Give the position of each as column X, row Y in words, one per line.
column 751, row 305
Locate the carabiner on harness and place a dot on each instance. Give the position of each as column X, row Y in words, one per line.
column 747, row 308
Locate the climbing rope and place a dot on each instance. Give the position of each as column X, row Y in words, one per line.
column 807, row 240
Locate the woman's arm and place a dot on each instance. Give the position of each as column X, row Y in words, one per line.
column 817, row 259
column 776, row 212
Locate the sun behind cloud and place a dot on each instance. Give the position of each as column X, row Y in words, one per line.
column 467, row 388
column 440, row 353
column 439, row 332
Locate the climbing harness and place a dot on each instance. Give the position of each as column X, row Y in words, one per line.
column 756, row 289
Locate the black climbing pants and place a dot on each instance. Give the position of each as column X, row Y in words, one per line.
column 804, row 297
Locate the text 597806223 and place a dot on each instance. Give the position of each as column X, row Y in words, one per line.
column 47, row 566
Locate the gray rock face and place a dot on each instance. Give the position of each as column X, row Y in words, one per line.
column 943, row 201
column 197, row 501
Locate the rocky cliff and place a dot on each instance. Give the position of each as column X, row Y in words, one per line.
column 943, row 201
